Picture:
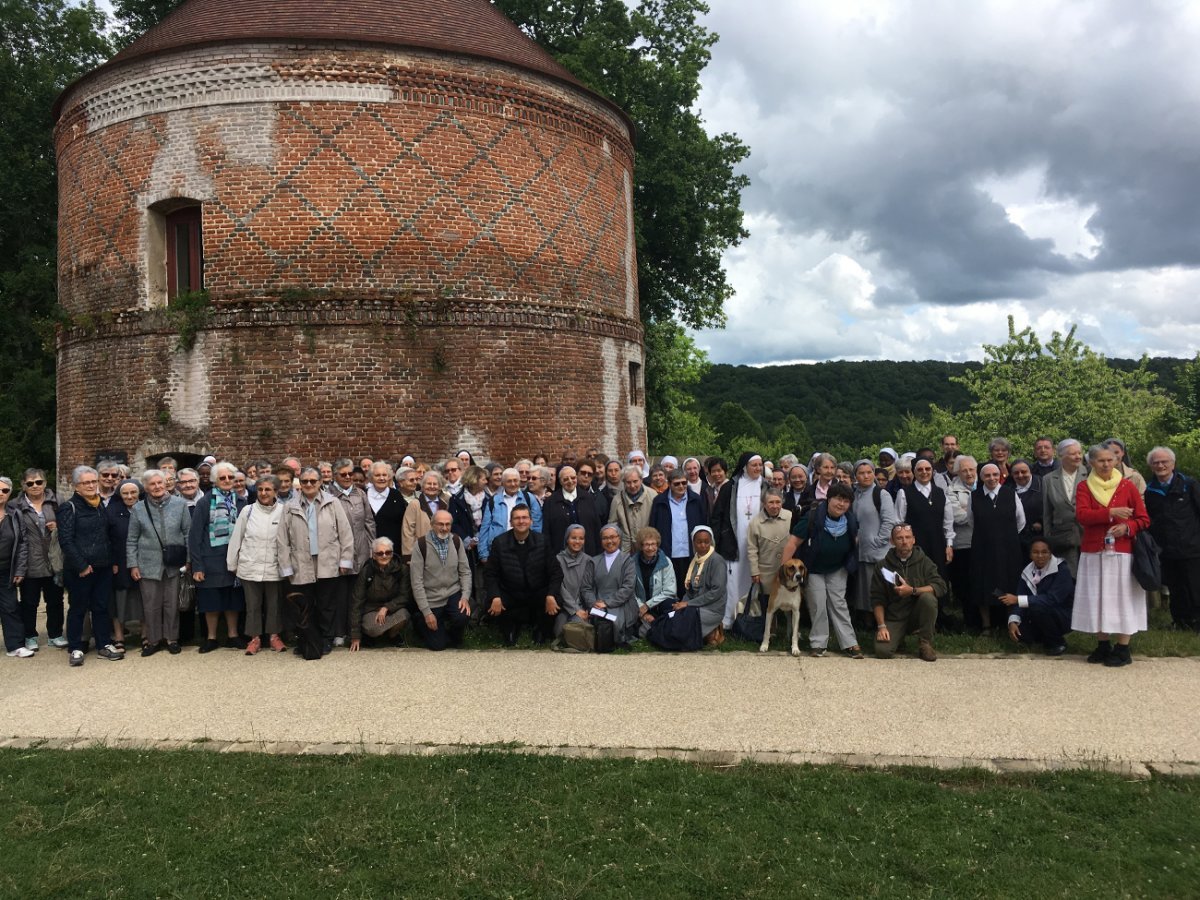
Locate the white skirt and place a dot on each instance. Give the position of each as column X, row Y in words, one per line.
column 1108, row 598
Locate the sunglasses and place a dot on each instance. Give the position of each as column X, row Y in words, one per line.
column 36, row 483
column 5, row 490
column 109, row 475
column 383, row 553
column 309, row 481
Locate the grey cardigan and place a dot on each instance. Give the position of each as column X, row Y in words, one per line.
column 142, row 550
column 709, row 595
column 433, row 581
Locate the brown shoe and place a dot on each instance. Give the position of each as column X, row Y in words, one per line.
column 716, row 637
column 926, row 652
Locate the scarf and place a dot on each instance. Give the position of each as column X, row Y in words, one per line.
column 835, row 528
column 475, row 504
column 221, row 514
column 93, row 502
column 696, row 567
column 1103, row 490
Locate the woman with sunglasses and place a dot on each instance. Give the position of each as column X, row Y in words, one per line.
column 37, row 510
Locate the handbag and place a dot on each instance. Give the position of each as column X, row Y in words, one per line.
column 173, row 555
column 678, row 629
column 580, row 636
column 751, row 622
column 1147, row 565
column 187, row 594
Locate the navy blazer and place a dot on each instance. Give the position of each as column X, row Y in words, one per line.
column 660, row 517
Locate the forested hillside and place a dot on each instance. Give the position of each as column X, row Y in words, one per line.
column 854, row 404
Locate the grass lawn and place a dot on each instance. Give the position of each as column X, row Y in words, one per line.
column 107, row 822
column 1160, row 640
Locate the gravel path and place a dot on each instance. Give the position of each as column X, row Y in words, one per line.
column 970, row 707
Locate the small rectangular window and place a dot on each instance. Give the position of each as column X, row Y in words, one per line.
column 185, row 252
column 635, row 384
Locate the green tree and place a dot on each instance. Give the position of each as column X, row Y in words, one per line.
column 47, row 44
column 669, row 384
column 1025, row 389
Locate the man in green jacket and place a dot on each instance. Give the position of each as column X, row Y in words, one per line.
column 904, row 593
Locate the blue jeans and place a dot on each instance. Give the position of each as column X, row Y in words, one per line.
column 89, row 595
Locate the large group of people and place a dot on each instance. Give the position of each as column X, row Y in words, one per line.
column 355, row 553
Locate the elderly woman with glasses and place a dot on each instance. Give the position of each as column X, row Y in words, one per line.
column 155, row 551
column 217, row 590
column 87, row 566
column 38, row 514
column 382, row 594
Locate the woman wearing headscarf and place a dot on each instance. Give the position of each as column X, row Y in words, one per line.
column 1041, row 613
column 217, row 590
column 738, row 503
column 1108, row 600
column 705, row 586
column 795, row 500
column 655, row 588
column 614, row 574
column 1029, row 494
column 124, row 603
column 253, row 556
column 638, row 458
column 578, row 585
column 695, row 479
column 997, row 520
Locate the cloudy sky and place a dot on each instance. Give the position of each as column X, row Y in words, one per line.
column 920, row 170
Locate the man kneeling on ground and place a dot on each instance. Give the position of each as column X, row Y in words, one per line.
column 904, row 593
column 441, row 585
column 382, row 593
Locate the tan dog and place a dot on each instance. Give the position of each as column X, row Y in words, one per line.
column 787, row 595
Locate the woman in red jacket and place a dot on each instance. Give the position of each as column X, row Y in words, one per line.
column 1108, row 599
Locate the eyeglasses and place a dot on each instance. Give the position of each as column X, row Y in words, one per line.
column 5, row 490
column 88, row 482
column 35, row 483
column 309, row 481
column 343, row 474
column 224, row 478
column 383, row 553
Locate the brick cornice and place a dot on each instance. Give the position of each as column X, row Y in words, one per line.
column 399, row 313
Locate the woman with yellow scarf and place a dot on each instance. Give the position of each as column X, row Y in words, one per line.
column 1109, row 603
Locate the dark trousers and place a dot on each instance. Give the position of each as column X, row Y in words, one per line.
column 89, row 595
column 303, row 616
column 326, row 596
column 680, row 565
column 451, row 622
column 519, row 611
column 342, row 588
column 1181, row 578
column 10, row 615
column 1041, row 627
column 960, row 583
column 32, row 592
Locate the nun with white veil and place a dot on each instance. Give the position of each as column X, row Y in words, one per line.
column 736, row 506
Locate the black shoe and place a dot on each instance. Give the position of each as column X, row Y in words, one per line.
column 1056, row 649
column 150, row 649
column 1119, row 657
column 174, row 649
column 1101, row 653
column 327, row 648
column 510, row 637
column 241, row 642
column 209, row 646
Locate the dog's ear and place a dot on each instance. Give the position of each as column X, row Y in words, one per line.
column 783, row 574
column 803, row 573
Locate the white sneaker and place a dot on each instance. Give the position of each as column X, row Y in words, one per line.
column 76, row 657
column 31, row 643
column 60, row 642
column 339, row 641
column 20, row 653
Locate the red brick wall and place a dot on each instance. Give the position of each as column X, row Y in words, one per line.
column 405, row 252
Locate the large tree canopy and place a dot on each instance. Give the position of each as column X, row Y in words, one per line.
column 46, row 45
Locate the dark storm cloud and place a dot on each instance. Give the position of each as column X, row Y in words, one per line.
column 884, row 124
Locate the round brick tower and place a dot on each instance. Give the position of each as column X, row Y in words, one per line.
column 352, row 227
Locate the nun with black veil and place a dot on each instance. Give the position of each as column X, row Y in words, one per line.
column 737, row 504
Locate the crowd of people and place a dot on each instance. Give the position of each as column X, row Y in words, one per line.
column 355, row 553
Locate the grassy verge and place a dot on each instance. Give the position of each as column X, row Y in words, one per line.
column 190, row 823
column 1160, row 640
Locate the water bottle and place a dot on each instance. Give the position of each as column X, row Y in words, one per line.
column 1110, row 543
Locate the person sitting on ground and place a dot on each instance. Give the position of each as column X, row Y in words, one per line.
column 705, row 586
column 905, row 591
column 655, row 589
column 523, row 580
column 577, row 593
column 614, row 575
column 1042, row 616
column 381, row 596
column 441, row 584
